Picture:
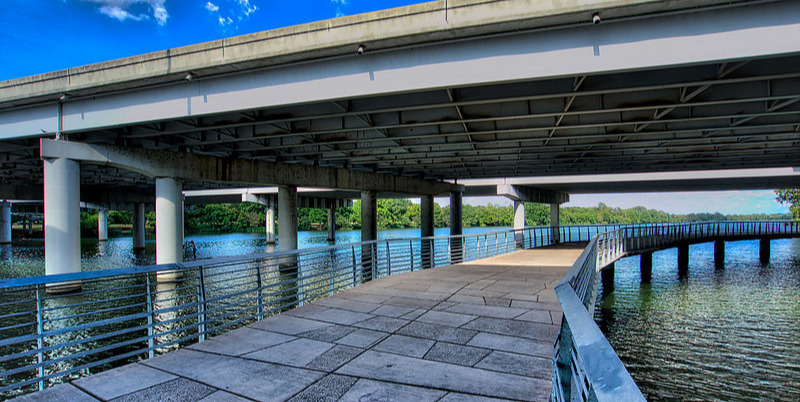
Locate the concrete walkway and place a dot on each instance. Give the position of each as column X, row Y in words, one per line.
column 470, row 332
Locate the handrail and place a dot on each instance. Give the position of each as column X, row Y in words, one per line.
column 585, row 366
column 126, row 314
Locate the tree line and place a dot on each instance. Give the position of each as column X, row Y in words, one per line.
column 403, row 214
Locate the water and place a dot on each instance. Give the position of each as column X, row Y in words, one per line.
column 717, row 334
column 27, row 258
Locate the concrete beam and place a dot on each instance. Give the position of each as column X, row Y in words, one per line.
column 249, row 172
column 530, row 194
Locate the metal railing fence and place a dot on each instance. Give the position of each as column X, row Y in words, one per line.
column 125, row 315
column 585, row 366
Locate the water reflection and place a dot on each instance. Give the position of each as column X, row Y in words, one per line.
column 712, row 334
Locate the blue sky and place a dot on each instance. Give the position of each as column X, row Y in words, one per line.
column 40, row 36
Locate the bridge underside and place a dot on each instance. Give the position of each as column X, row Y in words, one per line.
column 737, row 114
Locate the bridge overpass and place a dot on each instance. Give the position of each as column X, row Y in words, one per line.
column 413, row 101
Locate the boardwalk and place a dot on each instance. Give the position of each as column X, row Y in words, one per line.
column 481, row 329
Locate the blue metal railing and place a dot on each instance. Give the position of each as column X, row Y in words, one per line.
column 585, row 366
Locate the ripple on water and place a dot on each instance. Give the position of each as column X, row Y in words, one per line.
column 718, row 334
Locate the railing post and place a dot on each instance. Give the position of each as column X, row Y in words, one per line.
column 151, row 342
column 355, row 267
column 388, row 259
column 259, row 292
column 201, row 305
column 39, row 335
column 411, row 259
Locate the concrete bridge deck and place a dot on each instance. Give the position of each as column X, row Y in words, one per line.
column 473, row 331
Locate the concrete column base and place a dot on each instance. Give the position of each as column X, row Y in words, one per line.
column 719, row 254
column 169, row 225
column 331, row 224
column 646, row 267
column 764, row 251
column 519, row 224
column 456, row 227
column 555, row 233
column 138, row 228
column 102, row 225
column 683, row 260
column 426, row 230
column 5, row 222
column 270, row 222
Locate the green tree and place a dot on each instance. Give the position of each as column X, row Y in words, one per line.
column 790, row 196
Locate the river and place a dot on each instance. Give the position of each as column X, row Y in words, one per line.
column 26, row 258
column 717, row 334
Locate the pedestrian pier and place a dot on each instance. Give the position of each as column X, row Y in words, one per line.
column 479, row 329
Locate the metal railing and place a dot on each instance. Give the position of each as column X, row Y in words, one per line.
column 125, row 315
column 585, row 366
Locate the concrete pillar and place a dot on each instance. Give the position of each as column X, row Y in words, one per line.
column 683, row 259
column 102, row 225
column 456, row 227
column 519, row 224
column 554, row 224
column 719, row 253
column 5, row 222
column 332, row 222
column 270, row 222
column 607, row 276
column 646, row 267
column 287, row 218
column 62, row 226
column 764, row 251
column 426, row 230
column 369, row 231
column 169, row 224
column 138, row 227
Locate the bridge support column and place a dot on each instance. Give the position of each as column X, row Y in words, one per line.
column 5, row 222
column 62, row 227
column 369, row 232
column 646, row 267
column 426, row 230
column 138, row 227
column 332, row 222
column 519, row 224
column 764, row 251
column 683, row 259
column 607, row 276
column 102, row 225
column 270, row 222
column 719, row 253
column 554, row 224
column 169, row 225
column 287, row 218
column 456, row 227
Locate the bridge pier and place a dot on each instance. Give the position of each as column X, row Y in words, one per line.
column 332, row 222
column 287, row 219
column 270, row 221
column 169, row 225
column 102, row 225
column 138, row 227
column 607, row 277
column 683, row 259
column 764, row 251
column 646, row 266
column 5, row 222
column 369, row 232
column 554, row 223
column 719, row 253
column 456, row 227
column 519, row 224
column 62, row 227
column 426, row 230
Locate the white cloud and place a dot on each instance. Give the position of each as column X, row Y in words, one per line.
column 340, row 2
column 135, row 10
column 228, row 12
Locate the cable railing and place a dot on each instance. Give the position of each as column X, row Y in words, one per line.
column 585, row 366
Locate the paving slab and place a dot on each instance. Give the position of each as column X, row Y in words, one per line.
column 405, row 345
column 297, row 353
column 385, row 324
column 437, row 332
column 513, row 344
column 58, row 393
column 456, row 354
column 541, row 316
column 458, row 397
column 332, row 315
column 328, row 334
column 241, row 341
column 248, row 378
column 362, row 338
column 123, row 380
column 222, row 396
column 445, row 318
column 424, row 373
column 329, row 389
column 286, row 324
column 487, row 311
column 334, row 358
column 369, row 391
column 359, row 306
column 392, row 311
column 525, row 329
column 515, row 363
column 177, row 390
